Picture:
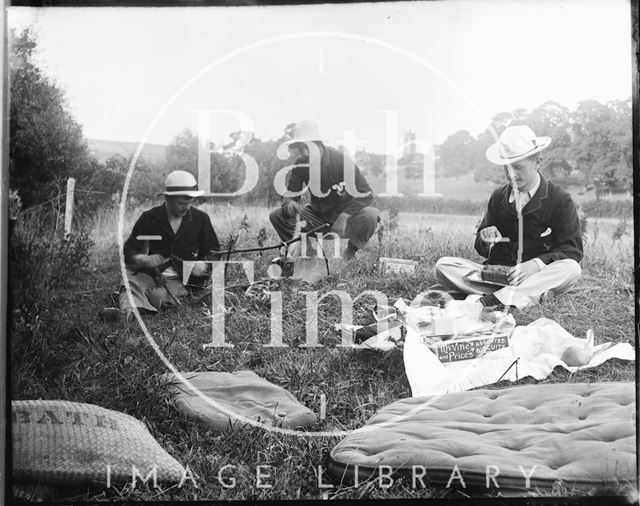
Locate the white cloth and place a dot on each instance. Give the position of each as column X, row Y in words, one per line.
column 538, row 347
column 170, row 273
column 463, row 317
column 541, row 265
column 557, row 276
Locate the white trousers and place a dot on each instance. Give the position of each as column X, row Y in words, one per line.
column 557, row 277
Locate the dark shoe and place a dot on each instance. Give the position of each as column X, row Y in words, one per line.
column 455, row 295
column 434, row 297
column 112, row 314
column 546, row 297
column 490, row 301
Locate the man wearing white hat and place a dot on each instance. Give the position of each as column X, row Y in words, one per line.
column 161, row 239
column 548, row 259
column 351, row 216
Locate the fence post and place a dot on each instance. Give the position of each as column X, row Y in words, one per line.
column 68, row 212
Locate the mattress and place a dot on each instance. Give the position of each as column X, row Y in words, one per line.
column 520, row 439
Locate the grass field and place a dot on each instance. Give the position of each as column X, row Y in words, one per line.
column 464, row 187
column 67, row 353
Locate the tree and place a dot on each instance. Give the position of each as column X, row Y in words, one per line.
column 595, row 139
column 264, row 153
column 456, row 153
column 147, row 180
column 227, row 169
column 46, row 144
column 182, row 153
column 370, row 163
column 483, row 170
column 620, row 172
column 602, row 142
column 554, row 120
column 100, row 184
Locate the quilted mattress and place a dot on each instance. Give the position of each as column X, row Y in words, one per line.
column 518, row 439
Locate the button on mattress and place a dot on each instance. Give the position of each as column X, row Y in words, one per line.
column 582, row 434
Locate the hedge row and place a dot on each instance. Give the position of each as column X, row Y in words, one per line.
column 595, row 208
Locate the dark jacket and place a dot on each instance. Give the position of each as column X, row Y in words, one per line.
column 550, row 208
column 195, row 239
column 331, row 173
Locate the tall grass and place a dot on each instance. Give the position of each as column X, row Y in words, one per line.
column 449, row 234
column 42, row 258
column 66, row 353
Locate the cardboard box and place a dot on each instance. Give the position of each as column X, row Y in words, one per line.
column 469, row 347
column 397, row 266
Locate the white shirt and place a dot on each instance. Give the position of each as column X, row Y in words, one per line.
column 525, row 197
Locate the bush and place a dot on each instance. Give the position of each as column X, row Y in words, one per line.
column 45, row 141
column 568, row 180
column 607, row 208
column 595, row 208
column 41, row 259
column 44, row 268
column 430, row 205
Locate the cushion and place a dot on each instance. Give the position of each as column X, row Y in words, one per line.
column 242, row 393
column 582, row 434
column 71, row 443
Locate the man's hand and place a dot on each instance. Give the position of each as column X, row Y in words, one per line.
column 291, row 209
column 490, row 235
column 340, row 225
column 522, row 271
column 149, row 261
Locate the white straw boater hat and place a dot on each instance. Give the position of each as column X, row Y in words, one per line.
column 516, row 143
column 304, row 131
column 181, row 182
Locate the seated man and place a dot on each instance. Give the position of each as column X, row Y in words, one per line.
column 351, row 217
column 551, row 234
column 161, row 239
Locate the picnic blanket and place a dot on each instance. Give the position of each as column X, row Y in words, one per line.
column 517, row 440
column 534, row 350
column 236, row 395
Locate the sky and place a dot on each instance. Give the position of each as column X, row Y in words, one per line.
column 370, row 70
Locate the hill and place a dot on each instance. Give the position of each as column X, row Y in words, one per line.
column 105, row 149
